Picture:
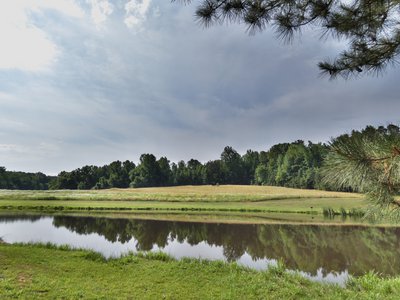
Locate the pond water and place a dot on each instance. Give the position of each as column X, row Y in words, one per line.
column 322, row 253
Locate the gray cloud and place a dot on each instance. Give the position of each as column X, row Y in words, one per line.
column 175, row 89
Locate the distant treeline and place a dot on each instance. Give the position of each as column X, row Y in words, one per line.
column 294, row 165
column 289, row 164
column 24, row 181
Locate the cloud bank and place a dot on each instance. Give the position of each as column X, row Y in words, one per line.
column 89, row 82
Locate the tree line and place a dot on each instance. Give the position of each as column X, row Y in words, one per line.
column 24, row 181
column 289, row 164
column 296, row 165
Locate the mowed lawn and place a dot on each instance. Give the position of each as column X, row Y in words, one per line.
column 211, row 198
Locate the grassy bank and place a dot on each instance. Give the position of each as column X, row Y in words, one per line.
column 29, row 271
column 186, row 198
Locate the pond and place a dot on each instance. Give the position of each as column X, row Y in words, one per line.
column 322, row 253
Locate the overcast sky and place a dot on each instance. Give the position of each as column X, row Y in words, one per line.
column 93, row 81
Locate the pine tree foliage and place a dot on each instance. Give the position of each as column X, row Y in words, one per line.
column 368, row 162
column 371, row 27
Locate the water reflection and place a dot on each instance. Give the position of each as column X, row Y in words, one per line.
column 320, row 251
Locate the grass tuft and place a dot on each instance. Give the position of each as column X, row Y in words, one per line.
column 161, row 256
column 94, row 256
column 279, row 269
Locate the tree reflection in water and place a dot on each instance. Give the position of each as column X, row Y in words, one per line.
column 308, row 248
column 302, row 247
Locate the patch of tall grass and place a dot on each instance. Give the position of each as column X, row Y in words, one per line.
column 354, row 212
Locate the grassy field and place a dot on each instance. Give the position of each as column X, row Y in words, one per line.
column 205, row 193
column 229, row 198
column 39, row 271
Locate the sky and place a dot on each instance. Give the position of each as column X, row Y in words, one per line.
column 89, row 82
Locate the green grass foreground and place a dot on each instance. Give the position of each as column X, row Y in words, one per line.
column 228, row 198
column 46, row 271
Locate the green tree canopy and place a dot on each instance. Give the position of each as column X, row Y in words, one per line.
column 371, row 27
column 165, row 171
column 232, row 165
column 147, row 173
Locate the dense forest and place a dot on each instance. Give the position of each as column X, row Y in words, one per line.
column 290, row 164
column 293, row 164
column 24, row 181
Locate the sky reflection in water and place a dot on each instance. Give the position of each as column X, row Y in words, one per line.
column 322, row 253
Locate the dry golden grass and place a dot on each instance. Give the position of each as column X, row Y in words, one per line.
column 224, row 193
column 235, row 189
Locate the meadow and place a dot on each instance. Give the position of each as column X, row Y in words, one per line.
column 210, row 199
